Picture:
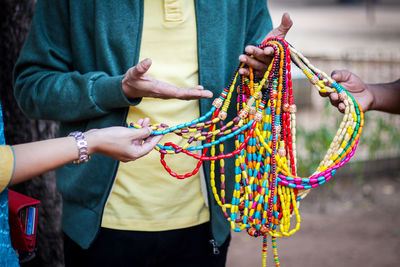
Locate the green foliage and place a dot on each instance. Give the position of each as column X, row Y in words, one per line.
column 314, row 144
column 381, row 136
column 379, row 139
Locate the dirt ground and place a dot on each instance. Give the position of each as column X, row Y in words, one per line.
column 351, row 221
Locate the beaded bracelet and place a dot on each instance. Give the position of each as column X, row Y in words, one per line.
column 267, row 190
column 82, row 146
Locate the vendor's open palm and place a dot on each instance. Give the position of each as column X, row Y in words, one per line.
column 137, row 83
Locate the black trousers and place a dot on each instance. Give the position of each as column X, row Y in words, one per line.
column 176, row 248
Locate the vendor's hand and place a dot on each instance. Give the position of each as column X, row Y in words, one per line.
column 355, row 86
column 122, row 143
column 137, row 83
column 262, row 57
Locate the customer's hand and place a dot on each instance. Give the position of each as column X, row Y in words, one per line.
column 355, row 86
column 137, row 83
column 262, row 57
column 122, row 143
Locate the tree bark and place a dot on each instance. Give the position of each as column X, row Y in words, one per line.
column 15, row 20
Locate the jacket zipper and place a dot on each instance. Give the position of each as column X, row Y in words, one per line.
column 215, row 247
column 212, row 238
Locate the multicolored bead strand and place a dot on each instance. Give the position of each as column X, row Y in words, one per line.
column 266, row 189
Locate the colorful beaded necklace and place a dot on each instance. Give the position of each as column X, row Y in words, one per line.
column 267, row 189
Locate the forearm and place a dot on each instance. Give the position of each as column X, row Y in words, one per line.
column 54, row 81
column 33, row 159
column 57, row 94
column 386, row 97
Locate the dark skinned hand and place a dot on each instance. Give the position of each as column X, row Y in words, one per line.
column 263, row 57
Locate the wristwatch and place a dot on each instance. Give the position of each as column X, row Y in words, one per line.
column 82, row 145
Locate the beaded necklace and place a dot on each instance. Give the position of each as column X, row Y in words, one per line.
column 267, row 190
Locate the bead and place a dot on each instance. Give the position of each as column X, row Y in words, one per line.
column 236, row 120
column 321, row 84
column 222, row 115
column 241, row 190
column 278, row 129
column 266, row 188
column 252, row 231
column 292, row 109
column 263, row 229
column 243, row 114
column 342, row 96
column 314, row 80
column 258, row 116
column 282, row 152
column 286, row 107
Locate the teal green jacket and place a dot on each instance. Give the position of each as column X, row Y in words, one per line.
column 70, row 70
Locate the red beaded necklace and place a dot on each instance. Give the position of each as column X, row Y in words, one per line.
column 267, row 189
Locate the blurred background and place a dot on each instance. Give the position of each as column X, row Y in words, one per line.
column 350, row 221
column 353, row 220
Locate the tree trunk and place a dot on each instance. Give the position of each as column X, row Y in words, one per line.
column 15, row 20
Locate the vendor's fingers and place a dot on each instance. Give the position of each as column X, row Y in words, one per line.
column 269, row 51
column 252, row 62
column 341, row 107
column 244, row 71
column 258, row 53
column 335, row 101
column 334, row 98
column 324, row 94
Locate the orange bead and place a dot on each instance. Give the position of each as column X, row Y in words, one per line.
column 252, row 231
column 263, row 229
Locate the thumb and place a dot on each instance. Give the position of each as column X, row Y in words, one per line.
column 339, row 75
column 141, row 133
column 150, row 143
column 283, row 28
column 141, row 68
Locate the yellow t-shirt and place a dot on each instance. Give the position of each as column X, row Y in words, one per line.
column 6, row 166
column 144, row 196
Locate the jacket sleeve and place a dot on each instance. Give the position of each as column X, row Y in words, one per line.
column 259, row 22
column 46, row 84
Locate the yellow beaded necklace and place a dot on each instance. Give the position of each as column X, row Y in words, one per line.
column 267, row 189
